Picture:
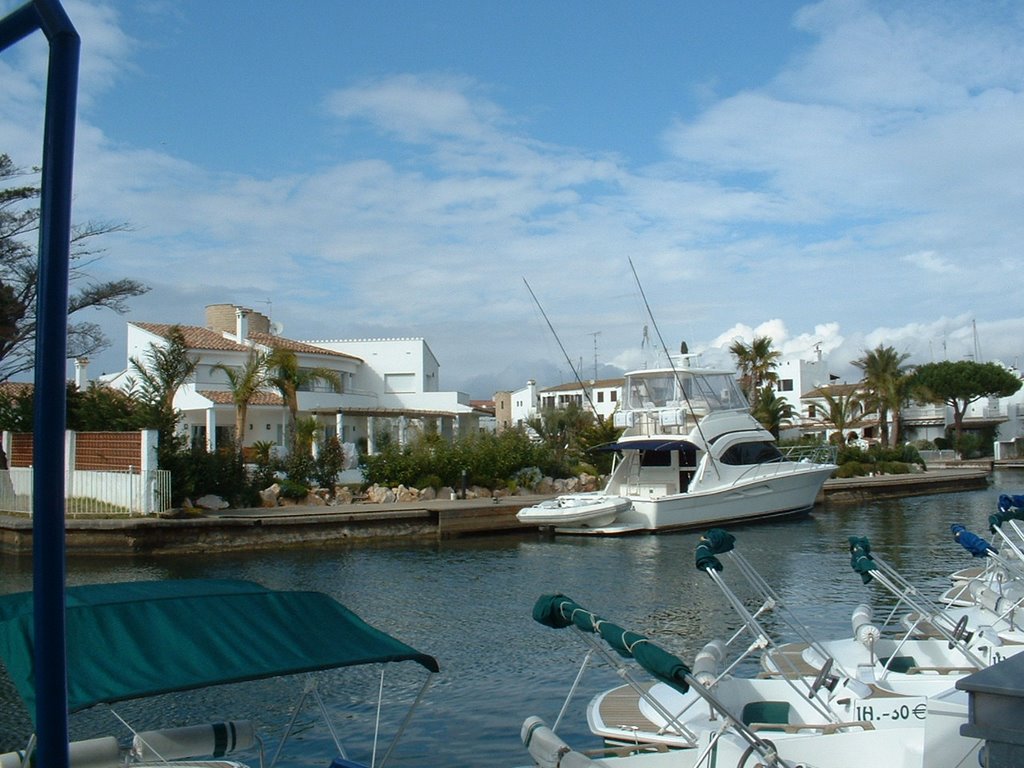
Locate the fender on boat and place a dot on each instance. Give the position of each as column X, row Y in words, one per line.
column 864, row 631
column 706, row 662
column 213, row 739
column 103, row 752
column 548, row 750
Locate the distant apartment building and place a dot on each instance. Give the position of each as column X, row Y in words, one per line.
column 516, row 408
column 599, row 397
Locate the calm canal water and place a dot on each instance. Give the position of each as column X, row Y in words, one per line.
column 469, row 604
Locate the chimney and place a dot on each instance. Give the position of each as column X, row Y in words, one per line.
column 241, row 323
column 81, row 372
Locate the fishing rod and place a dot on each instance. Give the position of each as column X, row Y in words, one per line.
column 672, row 365
column 579, row 380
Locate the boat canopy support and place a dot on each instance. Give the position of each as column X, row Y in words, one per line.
column 716, row 542
column 559, row 612
column 872, row 567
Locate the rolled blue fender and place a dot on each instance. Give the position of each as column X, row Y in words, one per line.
column 1008, row 502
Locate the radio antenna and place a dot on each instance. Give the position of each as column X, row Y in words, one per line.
column 572, row 367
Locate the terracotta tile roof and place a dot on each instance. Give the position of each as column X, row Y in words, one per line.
column 17, row 388
column 204, row 338
column 195, row 337
column 223, row 397
column 836, row 390
column 575, row 385
column 269, row 340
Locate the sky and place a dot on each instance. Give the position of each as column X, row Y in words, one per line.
column 835, row 175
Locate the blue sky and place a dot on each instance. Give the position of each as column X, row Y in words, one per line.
column 836, row 175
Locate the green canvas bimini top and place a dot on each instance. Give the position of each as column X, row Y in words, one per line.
column 135, row 639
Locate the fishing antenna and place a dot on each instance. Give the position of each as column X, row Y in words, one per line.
column 672, row 365
column 575, row 373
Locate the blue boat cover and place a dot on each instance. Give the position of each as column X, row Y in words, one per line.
column 973, row 543
column 1010, row 501
column 135, row 639
column 650, row 444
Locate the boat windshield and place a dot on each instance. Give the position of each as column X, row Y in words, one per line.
column 704, row 391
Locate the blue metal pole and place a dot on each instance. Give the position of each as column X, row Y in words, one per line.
column 49, row 406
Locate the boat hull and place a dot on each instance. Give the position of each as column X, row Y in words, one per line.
column 782, row 494
column 575, row 510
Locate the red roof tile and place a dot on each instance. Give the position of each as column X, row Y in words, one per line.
column 269, row 340
column 195, row 337
column 222, row 397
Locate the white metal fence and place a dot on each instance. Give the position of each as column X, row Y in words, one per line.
column 93, row 493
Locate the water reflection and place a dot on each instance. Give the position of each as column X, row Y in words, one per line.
column 469, row 603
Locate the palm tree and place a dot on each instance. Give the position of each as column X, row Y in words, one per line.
column 842, row 411
column 772, row 411
column 887, row 386
column 306, row 432
column 756, row 365
column 165, row 369
column 244, row 383
column 290, row 379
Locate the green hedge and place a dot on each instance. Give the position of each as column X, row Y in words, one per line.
column 488, row 460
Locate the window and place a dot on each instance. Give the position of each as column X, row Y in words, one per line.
column 812, row 411
column 751, row 453
column 785, row 385
column 600, row 397
column 615, row 395
column 656, row 458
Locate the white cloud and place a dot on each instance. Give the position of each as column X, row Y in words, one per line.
column 839, row 197
column 930, row 261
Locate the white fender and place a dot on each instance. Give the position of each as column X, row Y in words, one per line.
column 864, row 631
column 213, row 739
column 90, row 753
column 707, row 661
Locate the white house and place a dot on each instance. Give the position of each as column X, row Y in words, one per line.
column 393, row 389
column 600, row 397
column 516, row 408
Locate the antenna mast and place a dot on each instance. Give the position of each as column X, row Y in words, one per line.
column 595, row 334
column 579, row 380
column 671, row 364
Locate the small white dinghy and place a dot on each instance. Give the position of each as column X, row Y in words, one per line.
column 591, row 510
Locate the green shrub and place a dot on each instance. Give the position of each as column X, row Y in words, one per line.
column 851, row 469
column 291, row 489
column 429, row 481
column 329, row 463
column 486, row 459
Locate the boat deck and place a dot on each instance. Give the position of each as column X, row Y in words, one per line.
column 620, row 708
column 788, row 661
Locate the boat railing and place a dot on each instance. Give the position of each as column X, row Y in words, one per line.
column 818, row 453
column 797, row 454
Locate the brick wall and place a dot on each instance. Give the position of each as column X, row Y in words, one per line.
column 21, row 450
column 93, row 450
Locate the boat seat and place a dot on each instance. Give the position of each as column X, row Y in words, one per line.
column 765, row 714
column 901, row 664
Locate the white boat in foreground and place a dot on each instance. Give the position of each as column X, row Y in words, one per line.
column 751, row 721
column 692, row 456
column 139, row 639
